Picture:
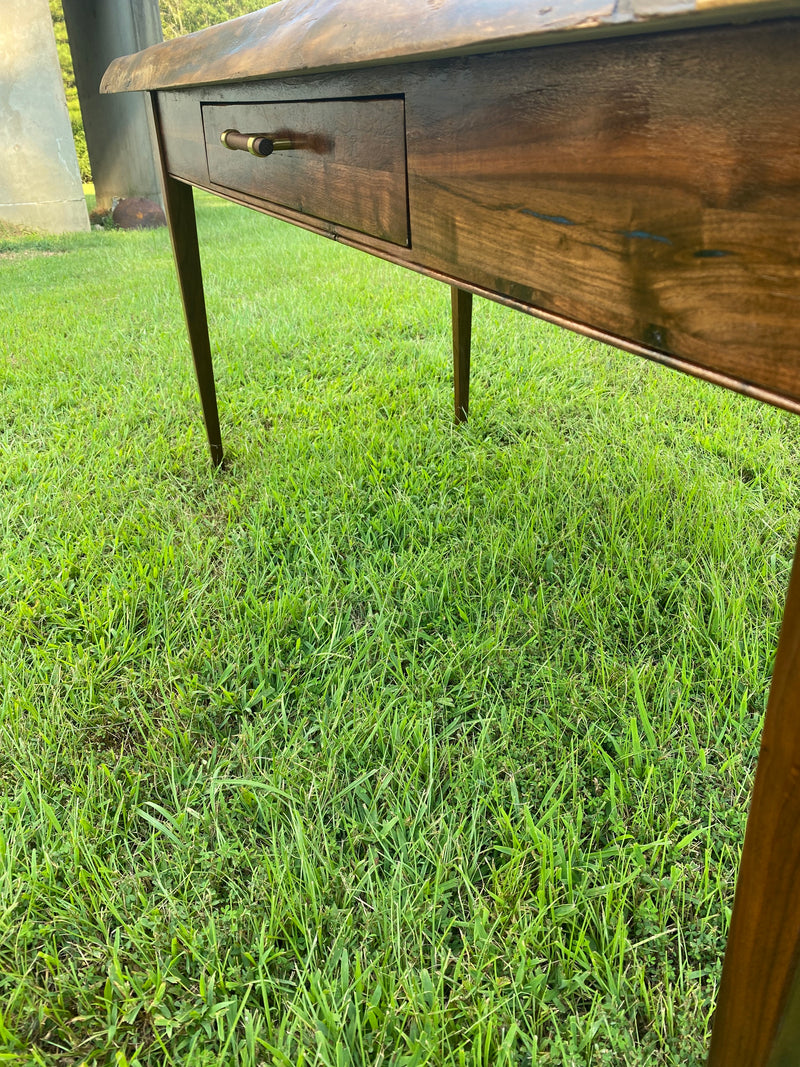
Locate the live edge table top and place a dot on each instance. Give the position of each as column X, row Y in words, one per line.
column 631, row 170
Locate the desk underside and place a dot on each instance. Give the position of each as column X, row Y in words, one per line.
column 645, row 190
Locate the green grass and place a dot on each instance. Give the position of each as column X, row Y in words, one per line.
column 389, row 743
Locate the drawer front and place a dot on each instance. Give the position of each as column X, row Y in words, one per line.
column 349, row 166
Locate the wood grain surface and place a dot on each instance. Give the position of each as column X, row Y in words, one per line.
column 650, row 188
column 302, row 36
column 349, row 166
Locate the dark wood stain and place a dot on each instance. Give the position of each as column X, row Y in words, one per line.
column 602, row 213
column 179, row 209
column 349, row 166
column 305, row 36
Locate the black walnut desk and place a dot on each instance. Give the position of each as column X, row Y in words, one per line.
column 628, row 169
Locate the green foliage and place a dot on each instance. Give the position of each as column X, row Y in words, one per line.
column 79, row 136
column 187, row 16
column 71, row 92
column 389, row 742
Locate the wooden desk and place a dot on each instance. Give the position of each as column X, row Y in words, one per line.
column 631, row 171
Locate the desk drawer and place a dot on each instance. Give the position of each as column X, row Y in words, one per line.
column 348, row 166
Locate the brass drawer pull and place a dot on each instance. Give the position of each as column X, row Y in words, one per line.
column 257, row 144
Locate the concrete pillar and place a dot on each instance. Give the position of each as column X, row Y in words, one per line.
column 118, row 134
column 40, row 183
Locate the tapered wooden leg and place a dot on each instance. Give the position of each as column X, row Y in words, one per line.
column 757, row 1021
column 179, row 209
column 461, row 302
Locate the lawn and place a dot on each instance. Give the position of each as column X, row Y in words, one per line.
column 391, row 742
